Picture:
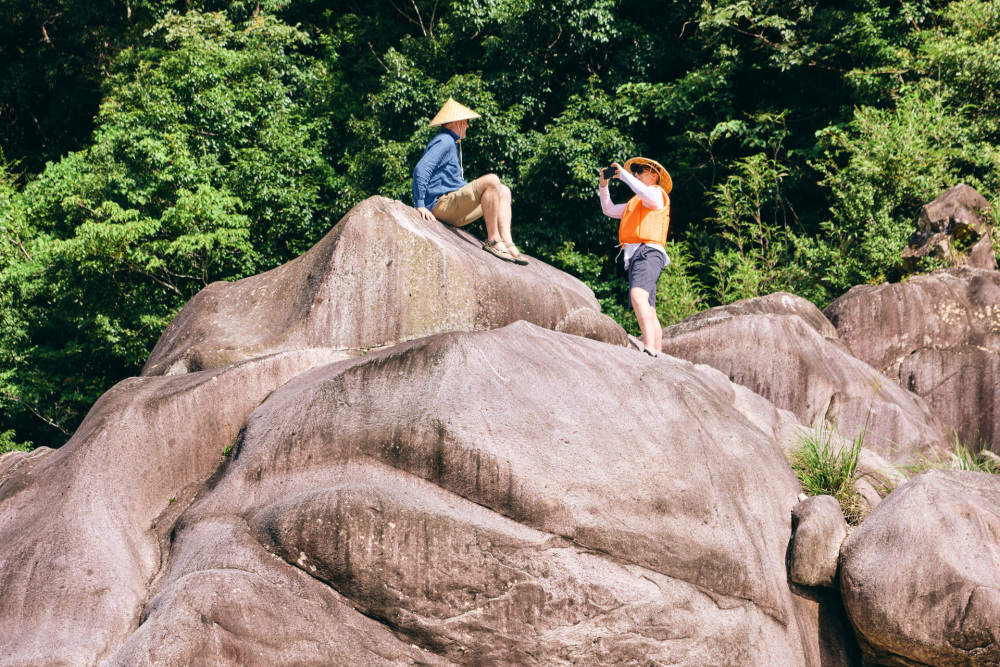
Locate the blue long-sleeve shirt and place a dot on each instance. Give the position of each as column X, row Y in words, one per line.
column 439, row 170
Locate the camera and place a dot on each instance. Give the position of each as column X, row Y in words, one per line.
column 608, row 173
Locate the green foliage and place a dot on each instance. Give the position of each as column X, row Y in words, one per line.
column 882, row 168
column 205, row 166
column 8, row 444
column 826, row 465
column 679, row 294
column 186, row 148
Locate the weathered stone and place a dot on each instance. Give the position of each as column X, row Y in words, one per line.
column 956, row 211
column 921, row 575
column 382, row 275
column 938, row 335
column 955, row 216
column 782, row 347
column 819, row 529
column 83, row 529
column 510, row 497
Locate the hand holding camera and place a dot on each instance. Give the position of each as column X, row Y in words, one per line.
column 607, row 173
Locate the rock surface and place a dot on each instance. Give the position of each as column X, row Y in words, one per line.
column 937, row 335
column 818, row 531
column 383, row 275
column 83, row 529
column 954, row 219
column 921, row 575
column 459, row 491
column 782, row 347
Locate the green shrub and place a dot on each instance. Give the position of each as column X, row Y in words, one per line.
column 7, row 443
column 679, row 294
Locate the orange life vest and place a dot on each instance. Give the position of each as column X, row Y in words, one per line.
column 644, row 225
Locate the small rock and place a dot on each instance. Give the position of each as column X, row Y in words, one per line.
column 818, row 531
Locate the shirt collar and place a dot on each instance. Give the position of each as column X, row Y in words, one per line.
column 455, row 136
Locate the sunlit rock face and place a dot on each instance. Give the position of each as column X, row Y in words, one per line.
column 85, row 529
column 938, row 335
column 383, row 275
column 782, row 347
column 518, row 496
column 921, row 575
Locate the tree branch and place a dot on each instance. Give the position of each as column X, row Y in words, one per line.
column 17, row 399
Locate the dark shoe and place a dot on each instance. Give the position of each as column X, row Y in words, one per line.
column 498, row 249
column 516, row 254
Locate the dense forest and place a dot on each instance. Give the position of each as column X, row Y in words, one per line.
column 150, row 147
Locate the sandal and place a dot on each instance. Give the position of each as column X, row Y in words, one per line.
column 498, row 249
column 516, row 254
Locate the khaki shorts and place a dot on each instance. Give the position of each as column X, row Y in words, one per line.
column 459, row 207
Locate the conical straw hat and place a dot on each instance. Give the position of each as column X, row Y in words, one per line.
column 665, row 182
column 452, row 111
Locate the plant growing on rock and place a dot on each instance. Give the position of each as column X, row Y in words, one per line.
column 826, row 465
column 961, row 457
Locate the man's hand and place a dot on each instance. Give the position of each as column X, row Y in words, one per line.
column 426, row 215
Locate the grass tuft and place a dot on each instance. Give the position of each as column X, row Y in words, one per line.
column 960, row 457
column 826, row 465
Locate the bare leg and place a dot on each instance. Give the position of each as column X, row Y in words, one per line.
column 504, row 221
column 490, row 205
column 649, row 324
column 495, row 199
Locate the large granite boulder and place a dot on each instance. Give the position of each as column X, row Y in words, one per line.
column 84, row 529
column 511, row 497
column 953, row 228
column 782, row 347
column 921, row 576
column 938, row 335
column 383, row 275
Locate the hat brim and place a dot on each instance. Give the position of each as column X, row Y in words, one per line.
column 451, row 112
column 665, row 181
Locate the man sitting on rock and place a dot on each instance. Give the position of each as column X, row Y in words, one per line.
column 642, row 234
column 440, row 191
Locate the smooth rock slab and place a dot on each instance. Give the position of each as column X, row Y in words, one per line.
column 383, row 275
column 938, row 335
column 921, row 575
column 782, row 347
column 517, row 496
column 84, row 529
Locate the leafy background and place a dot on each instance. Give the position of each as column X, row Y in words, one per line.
column 150, row 147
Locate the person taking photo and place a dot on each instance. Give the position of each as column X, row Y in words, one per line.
column 642, row 234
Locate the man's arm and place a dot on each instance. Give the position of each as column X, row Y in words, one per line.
column 650, row 195
column 435, row 153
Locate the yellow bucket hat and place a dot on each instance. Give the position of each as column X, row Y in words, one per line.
column 452, row 111
column 665, row 182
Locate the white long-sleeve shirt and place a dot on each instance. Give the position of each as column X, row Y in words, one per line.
column 651, row 197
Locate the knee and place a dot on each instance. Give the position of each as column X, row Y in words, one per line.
column 640, row 300
column 504, row 191
column 491, row 182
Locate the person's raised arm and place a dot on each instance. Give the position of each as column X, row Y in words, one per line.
column 609, row 208
column 650, row 195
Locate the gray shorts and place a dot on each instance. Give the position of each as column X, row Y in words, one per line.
column 644, row 270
